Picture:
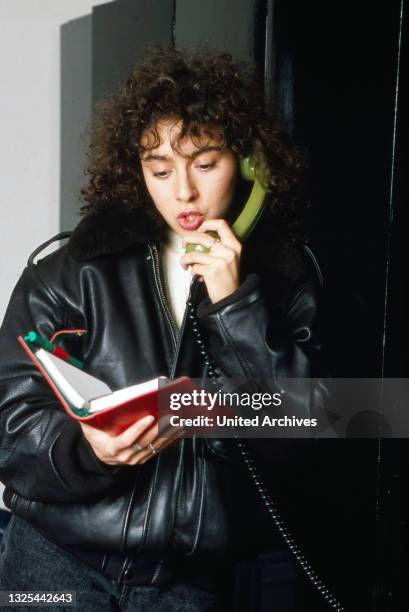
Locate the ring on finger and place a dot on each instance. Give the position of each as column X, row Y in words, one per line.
column 137, row 446
column 213, row 243
column 153, row 449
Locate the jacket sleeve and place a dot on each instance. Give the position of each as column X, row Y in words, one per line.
column 43, row 453
column 251, row 339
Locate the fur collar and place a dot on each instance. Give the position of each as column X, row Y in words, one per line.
column 113, row 228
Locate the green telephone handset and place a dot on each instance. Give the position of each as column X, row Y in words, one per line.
column 252, row 210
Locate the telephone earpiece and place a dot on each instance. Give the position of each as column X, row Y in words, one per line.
column 252, row 210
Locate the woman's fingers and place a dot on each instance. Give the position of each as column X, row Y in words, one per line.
column 110, row 449
column 150, row 455
column 226, row 234
column 196, row 257
column 140, row 442
column 153, row 435
column 157, row 444
column 220, row 254
column 134, row 432
column 153, row 443
column 198, row 238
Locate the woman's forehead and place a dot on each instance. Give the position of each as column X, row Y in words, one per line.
column 168, row 135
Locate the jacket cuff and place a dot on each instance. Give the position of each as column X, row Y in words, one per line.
column 91, row 463
column 76, row 462
column 206, row 307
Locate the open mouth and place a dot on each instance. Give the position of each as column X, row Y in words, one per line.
column 190, row 220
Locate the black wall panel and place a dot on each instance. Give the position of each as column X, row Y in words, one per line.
column 121, row 30
column 229, row 25
column 396, row 354
column 76, row 113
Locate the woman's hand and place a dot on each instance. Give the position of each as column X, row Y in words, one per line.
column 134, row 446
column 220, row 268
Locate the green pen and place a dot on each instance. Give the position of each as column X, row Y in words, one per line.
column 35, row 338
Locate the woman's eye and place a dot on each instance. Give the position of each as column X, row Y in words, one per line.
column 206, row 167
column 161, row 174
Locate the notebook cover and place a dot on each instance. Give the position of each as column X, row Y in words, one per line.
column 114, row 419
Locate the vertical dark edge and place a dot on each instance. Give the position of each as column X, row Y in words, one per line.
column 260, row 36
column 392, row 496
column 93, row 63
column 270, row 56
column 280, row 55
column 75, row 114
column 173, row 34
column 392, row 187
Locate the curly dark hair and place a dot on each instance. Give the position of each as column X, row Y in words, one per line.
column 211, row 94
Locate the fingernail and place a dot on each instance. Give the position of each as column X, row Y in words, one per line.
column 149, row 419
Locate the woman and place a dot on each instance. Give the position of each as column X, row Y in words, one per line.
column 137, row 521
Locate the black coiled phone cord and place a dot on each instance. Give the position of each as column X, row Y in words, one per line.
column 264, row 494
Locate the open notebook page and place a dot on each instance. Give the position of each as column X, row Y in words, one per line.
column 76, row 386
column 122, row 395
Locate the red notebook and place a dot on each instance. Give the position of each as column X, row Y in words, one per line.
column 90, row 400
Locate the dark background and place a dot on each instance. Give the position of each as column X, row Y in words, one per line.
column 338, row 72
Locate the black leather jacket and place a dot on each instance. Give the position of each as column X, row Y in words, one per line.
column 131, row 522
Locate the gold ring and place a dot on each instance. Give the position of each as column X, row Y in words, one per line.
column 153, row 449
column 214, row 242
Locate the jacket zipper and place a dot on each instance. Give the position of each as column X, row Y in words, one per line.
column 177, row 335
column 181, row 333
column 161, row 292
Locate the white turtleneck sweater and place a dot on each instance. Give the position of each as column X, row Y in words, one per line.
column 177, row 280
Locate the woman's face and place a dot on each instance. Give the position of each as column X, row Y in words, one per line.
column 189, row 183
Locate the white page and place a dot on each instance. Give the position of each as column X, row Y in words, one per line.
column 75, row 385
column 122, row 395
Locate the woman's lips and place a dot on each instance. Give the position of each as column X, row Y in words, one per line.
column 190, row 221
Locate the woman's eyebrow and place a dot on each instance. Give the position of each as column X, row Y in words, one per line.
column 153, row 156
column 204, row 150
column 157, row 157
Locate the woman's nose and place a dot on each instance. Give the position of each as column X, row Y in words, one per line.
column 186, row 190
